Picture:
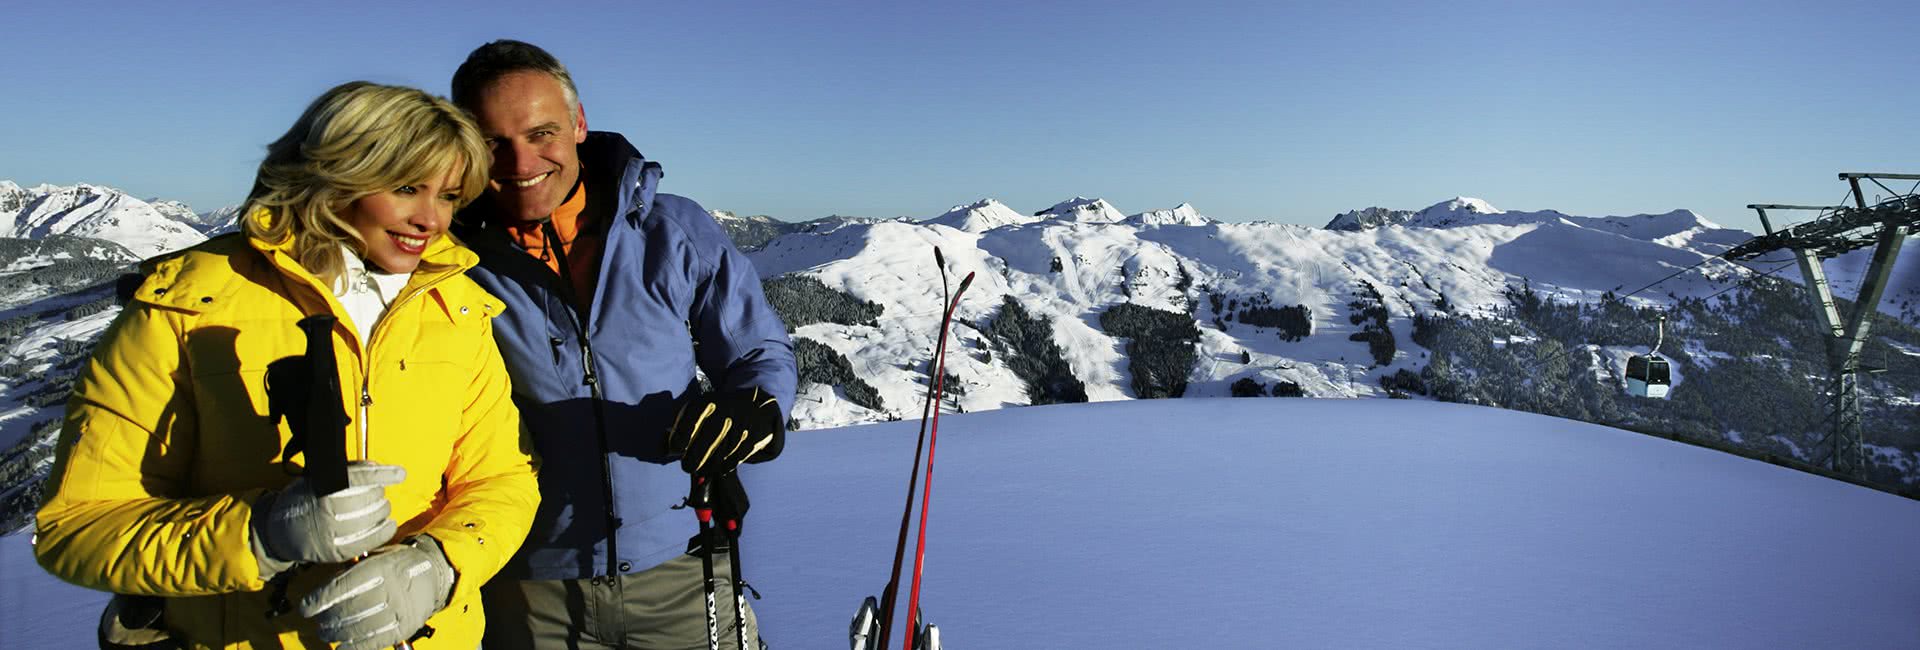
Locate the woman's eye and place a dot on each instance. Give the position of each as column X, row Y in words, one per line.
column 407, row 189
column 450, row 197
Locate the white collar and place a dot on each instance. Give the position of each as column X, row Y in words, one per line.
column 356, row 277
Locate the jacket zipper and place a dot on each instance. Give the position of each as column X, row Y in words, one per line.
column 574, row 312
column 366, row 400
column 366, row 357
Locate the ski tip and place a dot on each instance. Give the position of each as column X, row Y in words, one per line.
column 966, row 281
column 938, row 258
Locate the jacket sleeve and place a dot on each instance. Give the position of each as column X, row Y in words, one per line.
column 116, row 516
column 742, row 341
column 490, row 482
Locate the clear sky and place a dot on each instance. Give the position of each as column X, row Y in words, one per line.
column 1258, row 110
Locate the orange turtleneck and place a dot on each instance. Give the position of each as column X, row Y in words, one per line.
column 581, row 253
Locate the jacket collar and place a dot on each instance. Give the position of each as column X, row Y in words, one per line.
column 444, row 258
column 442, row 251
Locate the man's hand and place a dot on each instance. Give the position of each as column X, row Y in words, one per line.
column 714, row 435
column 384, row 599
column 295, row 525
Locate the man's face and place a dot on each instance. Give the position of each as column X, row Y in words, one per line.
column 533, row 133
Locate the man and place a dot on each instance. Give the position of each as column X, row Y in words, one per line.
column 615, row 294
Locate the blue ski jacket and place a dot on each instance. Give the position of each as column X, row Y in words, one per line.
column 672, row 294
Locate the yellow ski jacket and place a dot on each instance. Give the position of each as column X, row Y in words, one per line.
column 167, row 440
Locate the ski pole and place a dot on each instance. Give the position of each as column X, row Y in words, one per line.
column 926, row 491
column 730, row 507
column 701, row 499
column 888, row 596
column 319, row 429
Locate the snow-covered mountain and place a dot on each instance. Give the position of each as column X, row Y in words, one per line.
column 96, row 211
column 989, row 214
column 215, row 222
column 1083, row 210
column 1460, row 210
column 1081, row 257
column 1181, row 215
column 1368, row 218
column 981, row 216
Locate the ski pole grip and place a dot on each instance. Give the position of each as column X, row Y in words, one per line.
column 700, row 498
column 323, row 427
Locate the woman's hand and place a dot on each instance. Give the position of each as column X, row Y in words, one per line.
column 295, row 525
column 384, row 599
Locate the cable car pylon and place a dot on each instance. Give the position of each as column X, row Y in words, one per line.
column 1884, row 225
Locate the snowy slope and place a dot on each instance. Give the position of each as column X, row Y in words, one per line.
column 1465, row 250
column 1261, row 523
column 95, row 211
column 35, row 355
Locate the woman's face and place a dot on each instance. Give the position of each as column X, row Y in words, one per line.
column 398, row 224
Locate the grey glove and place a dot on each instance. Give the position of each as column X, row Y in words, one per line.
column 293, row 525
column 384, row 599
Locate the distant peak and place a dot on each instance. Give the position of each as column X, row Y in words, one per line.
column 1084, row 209
column 1464, row 204
column 980, row 216
column 1180, row 215
column 1367, row 218
column 976, row 205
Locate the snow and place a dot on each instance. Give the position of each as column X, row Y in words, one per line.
column 1181, row 215
column 1270, row 522
column 97, row 211
column 1158, row 259
column 981, row 216
column 1084, row 209
column 38, row 348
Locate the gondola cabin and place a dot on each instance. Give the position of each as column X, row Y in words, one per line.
column 1648, row 375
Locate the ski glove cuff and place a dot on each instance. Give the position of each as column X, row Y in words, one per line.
column 714, row 435
column 295, row 525
column 384, row 599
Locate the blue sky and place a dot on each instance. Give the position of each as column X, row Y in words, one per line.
column 1281, row 111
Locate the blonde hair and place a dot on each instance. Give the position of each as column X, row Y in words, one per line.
column 356, row 140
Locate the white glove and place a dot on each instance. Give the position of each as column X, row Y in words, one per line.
column 384, row 599
column 293, row 525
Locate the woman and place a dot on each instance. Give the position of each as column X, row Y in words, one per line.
column 174, row 477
